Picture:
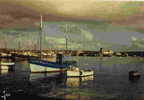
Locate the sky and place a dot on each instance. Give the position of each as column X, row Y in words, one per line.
column 106, row 22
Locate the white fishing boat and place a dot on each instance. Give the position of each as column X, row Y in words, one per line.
column 76, row 72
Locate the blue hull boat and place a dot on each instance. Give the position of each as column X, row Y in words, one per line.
column 46, row 66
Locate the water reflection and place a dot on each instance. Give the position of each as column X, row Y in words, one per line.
column 110, row 83
column 6, row 65
column 4, row 71
column 77, row 81
column 36, row 76
column 66, row 88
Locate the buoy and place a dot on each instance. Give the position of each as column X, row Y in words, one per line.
column 134, row 74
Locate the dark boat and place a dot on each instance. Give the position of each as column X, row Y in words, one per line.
column 134, row 74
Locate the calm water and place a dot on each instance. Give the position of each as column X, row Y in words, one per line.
column 110, row 82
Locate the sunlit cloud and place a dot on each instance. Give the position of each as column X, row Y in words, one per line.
column 83, row 9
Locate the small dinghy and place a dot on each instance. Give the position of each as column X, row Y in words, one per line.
column 76, row 72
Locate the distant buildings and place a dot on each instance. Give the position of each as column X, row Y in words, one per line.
column 104, row 52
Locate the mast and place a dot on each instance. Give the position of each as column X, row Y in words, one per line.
column 66, row 37
column 40, row 35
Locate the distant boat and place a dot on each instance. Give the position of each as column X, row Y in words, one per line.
column 39, row 65
column 5, row 55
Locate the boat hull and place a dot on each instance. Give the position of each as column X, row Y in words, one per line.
column 7, row 63
column 79, row 73
column 40, row 69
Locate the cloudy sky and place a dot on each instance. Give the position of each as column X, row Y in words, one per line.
column 106, row 21
column 117, row 12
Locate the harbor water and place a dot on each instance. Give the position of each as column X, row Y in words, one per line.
column 110, row 82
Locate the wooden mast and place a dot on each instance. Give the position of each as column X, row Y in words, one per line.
column 40, row 34
column 66, row 37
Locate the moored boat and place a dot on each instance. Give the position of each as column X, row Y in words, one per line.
column 134, row 74
column 7, row 63
column 39, row 66
column 76, row 72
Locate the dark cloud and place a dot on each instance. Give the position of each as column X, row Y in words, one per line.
column 13, row 15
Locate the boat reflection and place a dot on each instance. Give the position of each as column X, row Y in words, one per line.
column 37, row 76
column 4, row 70
column 76, row 97
column 77, row 81
column 69, row 84
column 6, row 65
column 67, row 81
